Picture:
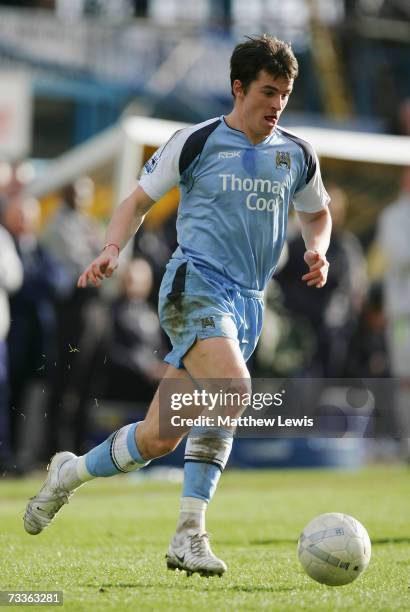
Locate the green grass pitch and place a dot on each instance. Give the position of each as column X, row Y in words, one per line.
column 106, row 549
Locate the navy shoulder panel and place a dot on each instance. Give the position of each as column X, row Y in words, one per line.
column 194, row 144
column 308, row 153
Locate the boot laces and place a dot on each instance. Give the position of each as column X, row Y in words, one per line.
column 200, row 543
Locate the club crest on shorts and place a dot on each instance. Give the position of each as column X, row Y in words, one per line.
column 208, row 322
column 283, row 160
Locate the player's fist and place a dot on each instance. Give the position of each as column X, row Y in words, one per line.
column 318, row 269
column 102, row 266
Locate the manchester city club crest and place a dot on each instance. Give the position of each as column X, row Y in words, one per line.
column 283, row 160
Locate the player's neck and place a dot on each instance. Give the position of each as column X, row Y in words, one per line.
column 237, row 122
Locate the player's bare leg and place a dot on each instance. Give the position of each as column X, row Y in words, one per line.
column 206, row 454
column 119, row 453
column 134, row 445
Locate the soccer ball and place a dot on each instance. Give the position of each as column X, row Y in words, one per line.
column 334, row 549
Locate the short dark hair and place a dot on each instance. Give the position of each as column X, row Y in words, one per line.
column 262, row 53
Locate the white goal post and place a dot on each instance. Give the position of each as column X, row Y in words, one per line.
column 123, row 145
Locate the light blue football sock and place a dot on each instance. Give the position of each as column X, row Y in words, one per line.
column 200, row 480
column 117, row 454
column 206, row 454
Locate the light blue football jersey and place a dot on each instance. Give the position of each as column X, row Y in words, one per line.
column 235, row 196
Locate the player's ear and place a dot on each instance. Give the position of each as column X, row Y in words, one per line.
column 237, row 88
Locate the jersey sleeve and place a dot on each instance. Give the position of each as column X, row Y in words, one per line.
column 310, row 195
column 162, row 172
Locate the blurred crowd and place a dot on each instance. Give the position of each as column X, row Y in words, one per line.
column 64, row 351
column 61, row 347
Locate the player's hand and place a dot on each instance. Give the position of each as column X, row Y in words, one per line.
column 318, row 269
column 102, row 266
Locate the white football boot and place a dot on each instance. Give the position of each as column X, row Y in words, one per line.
column 193, row 553
column 42, row 508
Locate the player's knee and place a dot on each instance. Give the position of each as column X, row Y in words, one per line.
column 243, row 386
column 237, row 396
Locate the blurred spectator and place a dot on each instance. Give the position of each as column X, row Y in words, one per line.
column 72, row 235
column 31, row 339
column 393, row 239
column 74, row 239
column 134, row 343
column 11, row 275
column 331, row 313
column 11, row 182
column 287, row 343
column 368, row 353
column 156, row 245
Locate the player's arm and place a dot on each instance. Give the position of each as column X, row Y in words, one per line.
column 126, row 220
column 159, row 174
column 316, row 229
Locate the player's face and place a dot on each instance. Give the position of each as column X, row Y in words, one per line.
column 263, row 103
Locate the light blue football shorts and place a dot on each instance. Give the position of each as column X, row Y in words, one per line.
column 204, row 304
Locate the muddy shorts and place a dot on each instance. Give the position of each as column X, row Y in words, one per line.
column 203, row 304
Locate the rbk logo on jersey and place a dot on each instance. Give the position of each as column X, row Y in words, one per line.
column 283, row 160
column 229, row 154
